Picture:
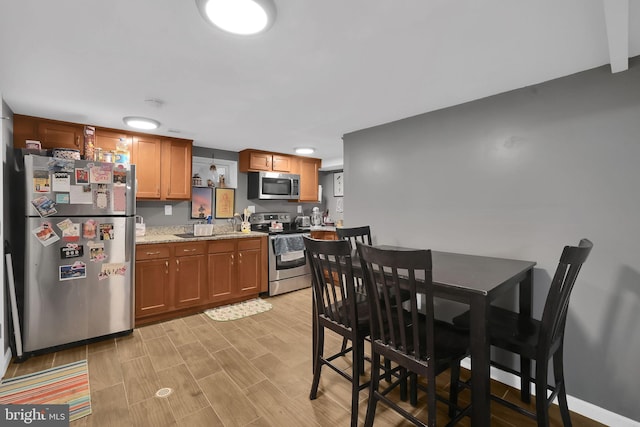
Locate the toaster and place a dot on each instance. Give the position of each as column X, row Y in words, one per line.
column 303, row 221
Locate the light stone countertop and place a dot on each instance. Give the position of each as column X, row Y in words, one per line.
column 170, row 234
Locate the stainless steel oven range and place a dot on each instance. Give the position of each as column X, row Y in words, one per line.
column 288, row 268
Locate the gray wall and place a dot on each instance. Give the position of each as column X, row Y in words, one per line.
column 153, row 212
column 520, row 175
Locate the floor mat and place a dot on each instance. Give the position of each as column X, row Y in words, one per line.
column 64, row 384
column 239, row 310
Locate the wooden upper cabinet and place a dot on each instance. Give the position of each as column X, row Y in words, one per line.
column 108, row 139
column 146, row 155
column 60, row 135
column 163, row 168
column 24, row 127
column 176, row 169
column 255, row 161
column 309, row 168
column 281, row 163
column 50, row 133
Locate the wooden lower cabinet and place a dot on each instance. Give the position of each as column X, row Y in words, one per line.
column 153, row 287
column 324, row 235
column 177, row 279
column 190, row 281
column 235, row 268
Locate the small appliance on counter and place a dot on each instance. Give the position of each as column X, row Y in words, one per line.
column 303, row 222
column 316, row 217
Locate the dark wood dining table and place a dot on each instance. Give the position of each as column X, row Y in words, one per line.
column 477, row 281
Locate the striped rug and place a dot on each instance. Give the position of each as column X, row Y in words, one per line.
column 64, row 384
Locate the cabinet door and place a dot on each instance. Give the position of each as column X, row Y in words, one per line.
column 147, row 158
column 221, row 270
column 249, row 271
column 60, row 135
column 152, row 287
column 108, row 140
column 24, row 127
column 221, row 276
column 176, row 170
column 190, row 273
column 309, row 179
column 281, row 163
column 190, row 279
column 260, row 161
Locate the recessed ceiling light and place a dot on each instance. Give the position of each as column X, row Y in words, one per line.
column 141, row 123
column 243, row 17
column 305, row 150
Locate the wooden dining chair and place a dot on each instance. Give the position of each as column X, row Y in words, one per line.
column 539, row 340
column 338, row 308
column 406, row 332
column 360, row 234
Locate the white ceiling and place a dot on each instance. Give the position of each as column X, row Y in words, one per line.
column 326, row 67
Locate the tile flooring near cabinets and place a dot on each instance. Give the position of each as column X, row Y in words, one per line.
column 250, row 372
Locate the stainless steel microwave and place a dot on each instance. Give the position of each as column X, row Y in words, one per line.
column 273, row 186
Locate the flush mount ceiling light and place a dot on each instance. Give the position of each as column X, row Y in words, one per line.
column 305, row 150
column 141, row 123
column 243, row 17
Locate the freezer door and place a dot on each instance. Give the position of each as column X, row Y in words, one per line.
column 56, row 187
column 77, row 290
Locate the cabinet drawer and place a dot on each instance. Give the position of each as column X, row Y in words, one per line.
column 244, row 244
column 152, row 251
column 221, row 246
column 190, row 248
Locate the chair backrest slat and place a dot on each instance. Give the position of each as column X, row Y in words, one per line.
column 332, row 280
column 398, row 322
column 360, row 234
column 554, row 316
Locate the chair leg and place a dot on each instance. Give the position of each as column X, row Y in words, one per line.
column 542, row 409
column 454, row 388
column 373, row 389
column 403, row 384
column 413, row 389
column 358, row 347
column 344, row 344
column 318, row 340
column 558, row 373
column 525, row 375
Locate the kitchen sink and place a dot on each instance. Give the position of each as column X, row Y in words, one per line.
column 186, row 235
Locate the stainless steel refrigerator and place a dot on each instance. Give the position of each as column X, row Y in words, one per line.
column 76, row 274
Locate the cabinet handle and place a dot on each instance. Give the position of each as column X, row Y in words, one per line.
column 166, row 267
column 189, row 250
column 232, row 259
column 78, row 141
column 240, row 258
column 153, row 253
column 177, row 265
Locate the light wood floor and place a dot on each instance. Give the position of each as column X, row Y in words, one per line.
column 251, row 372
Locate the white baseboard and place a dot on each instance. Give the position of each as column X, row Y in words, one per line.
column 5, row 362
column 576, row 405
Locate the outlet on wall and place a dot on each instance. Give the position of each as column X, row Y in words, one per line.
column 168, row 210
column 299, row 209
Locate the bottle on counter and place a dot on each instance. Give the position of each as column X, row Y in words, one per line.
column 121, row 154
